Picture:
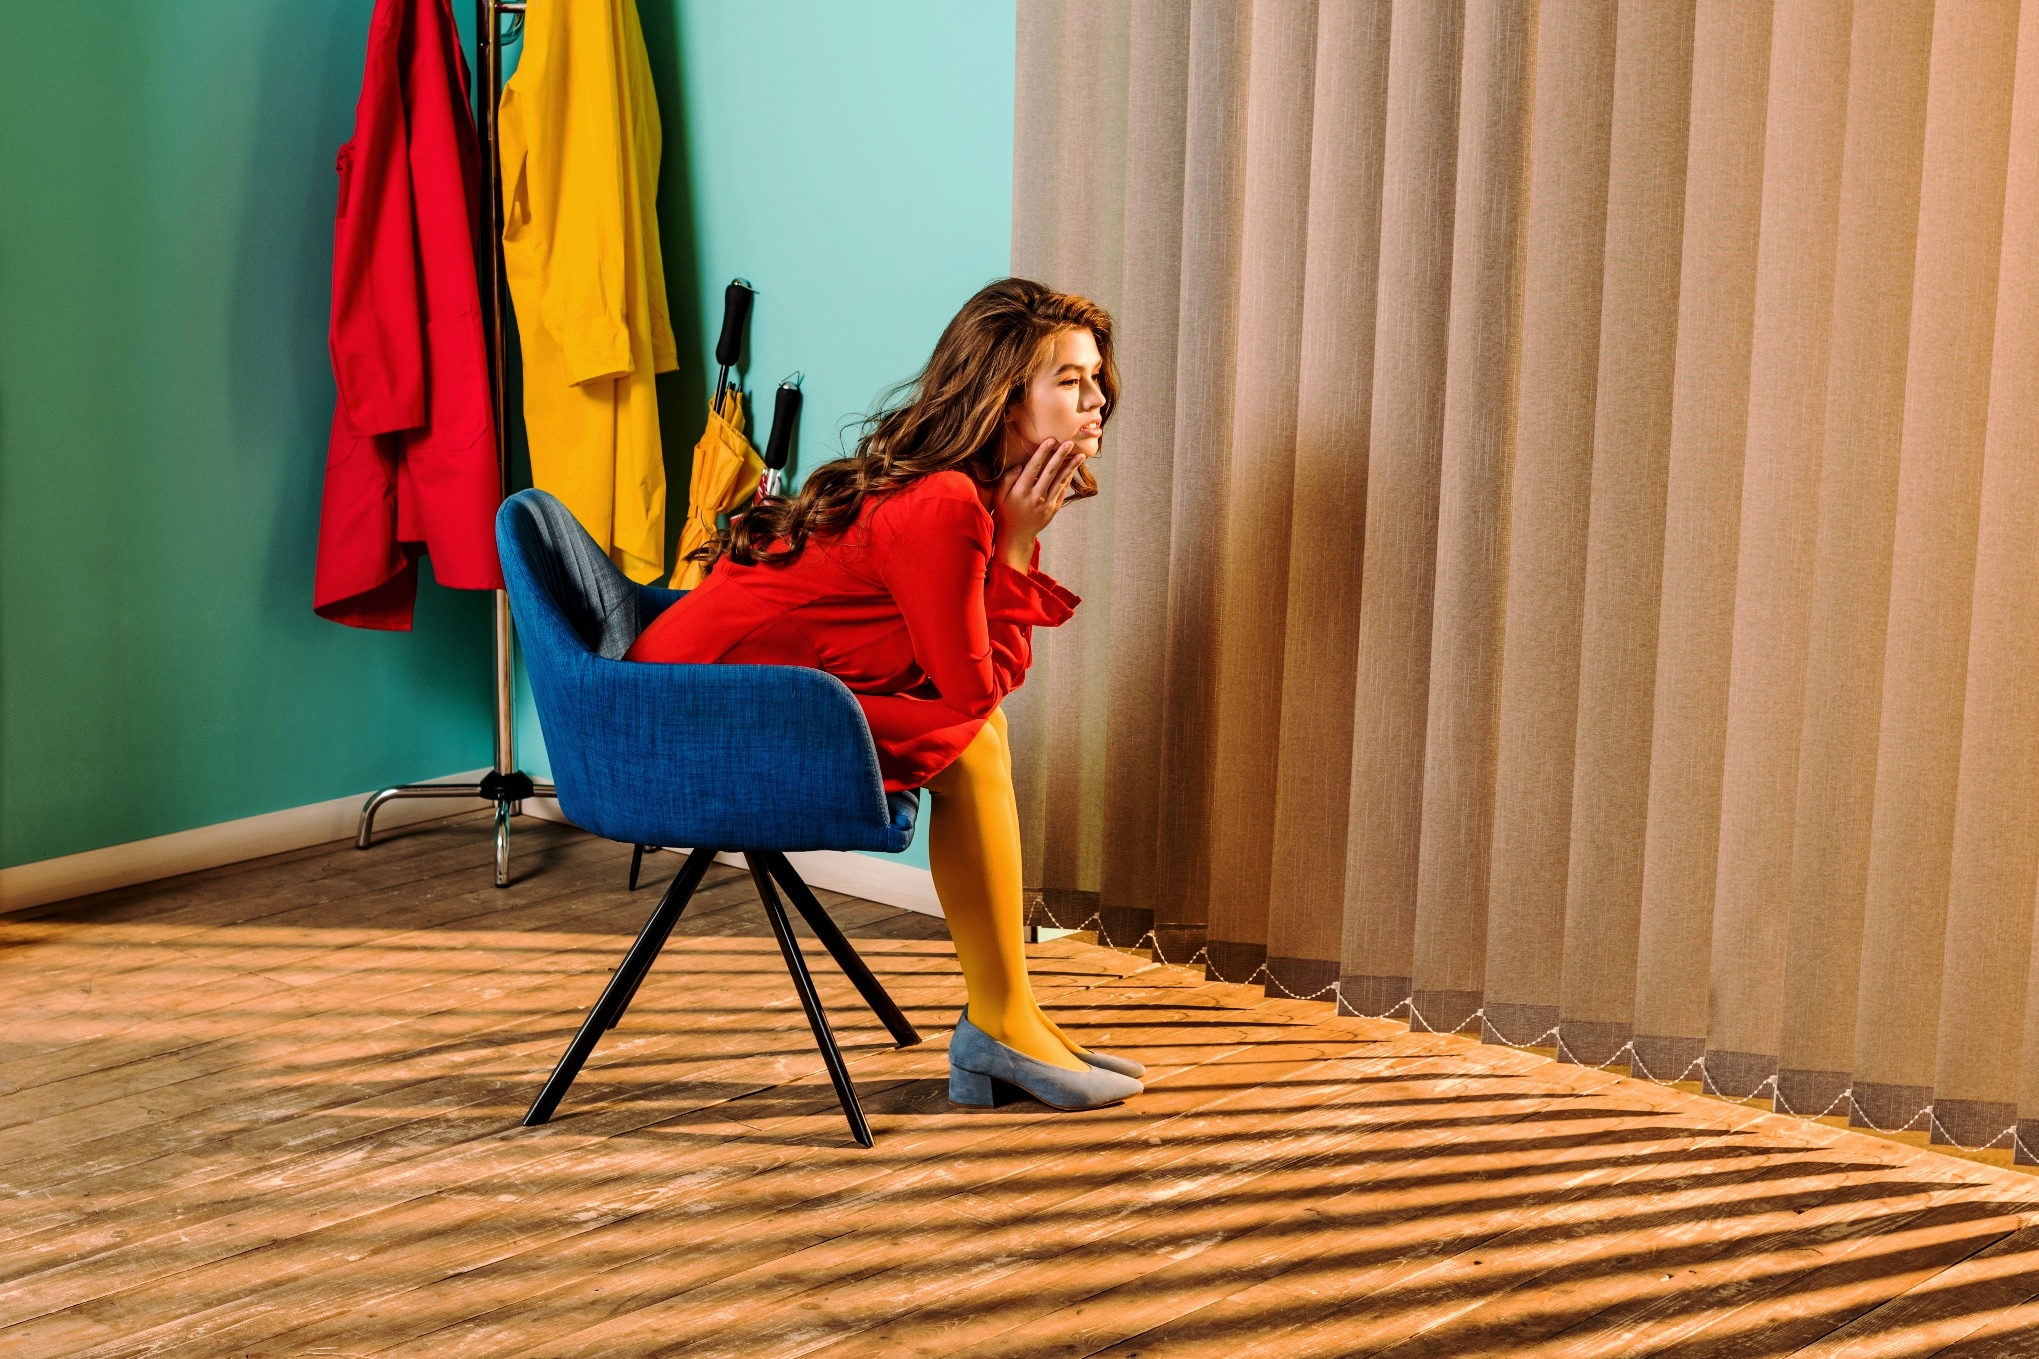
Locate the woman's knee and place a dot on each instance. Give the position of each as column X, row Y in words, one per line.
column 982, row 762
column 985, row 756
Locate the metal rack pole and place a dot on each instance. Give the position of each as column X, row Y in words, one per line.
column 505, row 785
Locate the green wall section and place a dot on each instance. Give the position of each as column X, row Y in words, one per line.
column 854, row 162
column 165, row 247
column 166, row 202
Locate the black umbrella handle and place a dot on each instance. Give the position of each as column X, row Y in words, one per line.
column 785, row 420
column 736, row 300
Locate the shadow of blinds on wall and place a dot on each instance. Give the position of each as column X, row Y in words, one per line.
column 1568, row 559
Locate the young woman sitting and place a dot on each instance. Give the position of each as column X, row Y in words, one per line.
column 909, row 571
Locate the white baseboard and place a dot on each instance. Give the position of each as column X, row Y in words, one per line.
column 866, row 876
column 862, row 875
column 188, row 851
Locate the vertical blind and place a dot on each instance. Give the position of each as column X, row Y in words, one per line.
column 1567, row 561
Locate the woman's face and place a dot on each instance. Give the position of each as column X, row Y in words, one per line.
column 1063, row 401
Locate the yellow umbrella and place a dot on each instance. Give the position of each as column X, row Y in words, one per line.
column 726, row 472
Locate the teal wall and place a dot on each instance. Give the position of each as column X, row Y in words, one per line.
column 166, row 204
column 854, row 162
column 165, row 236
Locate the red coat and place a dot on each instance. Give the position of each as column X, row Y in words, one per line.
column 907, row 607
column 411, row 466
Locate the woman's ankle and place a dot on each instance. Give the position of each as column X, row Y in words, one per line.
column 1055, row 1032
column 1025, row 1035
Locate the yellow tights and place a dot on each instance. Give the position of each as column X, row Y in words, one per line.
column 973, row 847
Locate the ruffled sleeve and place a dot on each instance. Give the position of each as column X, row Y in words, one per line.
column 1031, row 597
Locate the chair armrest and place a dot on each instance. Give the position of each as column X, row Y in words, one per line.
column 734, row 756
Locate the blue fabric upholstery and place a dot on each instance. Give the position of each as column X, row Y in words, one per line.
column 730, row 756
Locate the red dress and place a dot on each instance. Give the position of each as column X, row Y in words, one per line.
column 411, row 465
column 907, row 607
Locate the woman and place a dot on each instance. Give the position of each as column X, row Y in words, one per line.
column 909, row 571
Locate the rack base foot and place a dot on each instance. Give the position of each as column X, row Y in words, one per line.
column 506, row 790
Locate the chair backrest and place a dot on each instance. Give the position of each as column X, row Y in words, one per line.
column 574, row 576
column 735, row 756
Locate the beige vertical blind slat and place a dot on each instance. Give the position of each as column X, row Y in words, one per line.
column 1072, row 686
column 1036, row 242
column 1389, row 702
column 1780, row 479
column 1255, row 554
column 1572, row 562
column 1461, row 718
column 1702, row 515
column 2012, row 586
column 1995, row 865
column 1625, row 537
column 1961, row 207
column 1141, row 464
column 1212, row 212
column 1875, row 243
column 1547, row 517
column 1333, row 409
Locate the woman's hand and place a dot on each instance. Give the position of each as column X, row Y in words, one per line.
column 1029, row 495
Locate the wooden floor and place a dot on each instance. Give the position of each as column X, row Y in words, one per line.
column 272, row 1110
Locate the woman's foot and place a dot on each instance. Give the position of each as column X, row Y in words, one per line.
column 1125, row 1066
column 978, row 1064
column 1027, row 1031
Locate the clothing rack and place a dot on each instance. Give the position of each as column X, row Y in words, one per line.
column 505, row 785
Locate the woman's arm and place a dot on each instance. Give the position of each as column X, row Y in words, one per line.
column 970, row 617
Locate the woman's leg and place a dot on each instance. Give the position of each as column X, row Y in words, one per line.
column 974, row 851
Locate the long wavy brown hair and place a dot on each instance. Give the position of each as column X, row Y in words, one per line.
column 950, row 414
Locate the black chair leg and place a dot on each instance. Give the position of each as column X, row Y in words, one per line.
column 637, row 862
column 846, row 957
column 803, row 984
column 623, row 985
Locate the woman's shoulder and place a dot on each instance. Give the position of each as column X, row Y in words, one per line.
column 938, row 495
column 952, row 484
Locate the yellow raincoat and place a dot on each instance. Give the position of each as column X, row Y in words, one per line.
column 580, row 149
column 726, row 472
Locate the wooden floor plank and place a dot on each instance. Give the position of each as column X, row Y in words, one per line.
column 1989, row 1299
column 273, row 1110
column 161, row 915
column 183, row 1051
column 1391, row 1193
column 116, row 1002
column 387, row 1043
column 1117, row 1229
column 1375, row 1289
column 808, row 1184
column 899, row 1258
column 755, row 1071
column 1026, row 1160
column 160, row 1259
column 827, row 1118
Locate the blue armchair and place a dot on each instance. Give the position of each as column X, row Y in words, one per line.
column 759, row 759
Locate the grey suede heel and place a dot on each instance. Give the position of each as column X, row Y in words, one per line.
column 976, row 1060
column 1125, row 1066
